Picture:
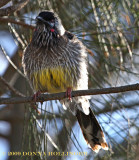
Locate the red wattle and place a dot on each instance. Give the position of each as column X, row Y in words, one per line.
column 52, row 30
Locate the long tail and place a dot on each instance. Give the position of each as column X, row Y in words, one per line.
column 91, row 130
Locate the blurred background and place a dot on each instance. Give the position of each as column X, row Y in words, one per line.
column 109, row 30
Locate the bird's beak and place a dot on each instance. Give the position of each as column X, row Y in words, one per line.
column 40, row 19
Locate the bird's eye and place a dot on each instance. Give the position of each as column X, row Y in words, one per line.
column 52, row 21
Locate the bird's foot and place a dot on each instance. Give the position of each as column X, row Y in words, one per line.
column 36, row 95
column 69, row 93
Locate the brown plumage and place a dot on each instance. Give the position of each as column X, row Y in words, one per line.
column 56, row 60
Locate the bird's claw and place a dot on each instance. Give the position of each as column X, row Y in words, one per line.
column 36, row 95
column 69, row 94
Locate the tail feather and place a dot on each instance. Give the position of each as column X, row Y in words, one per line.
column 91, row 130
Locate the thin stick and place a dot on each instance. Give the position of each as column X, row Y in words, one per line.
column 8, row 58
column 9, row 20
column 9, row 10
column 11, row 88
column 62, row 95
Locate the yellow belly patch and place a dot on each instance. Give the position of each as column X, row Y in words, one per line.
column 52, row 80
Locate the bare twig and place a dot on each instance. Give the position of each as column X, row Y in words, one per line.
column 7, row 20
column 115, row 108
column 9, row 10
column 17, row 35
column 3, row 2
column 11, row 88
column 62, row 95
column 8, row 58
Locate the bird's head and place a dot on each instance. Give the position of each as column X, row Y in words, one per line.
column 50, row 22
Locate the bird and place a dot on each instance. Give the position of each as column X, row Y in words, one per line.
column 55, row 61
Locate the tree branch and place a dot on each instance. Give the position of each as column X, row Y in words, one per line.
column 7, row 20
column 11, row 88
column 3, row 2
column 10, row 61
column 62, row 95
column 9, row 10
